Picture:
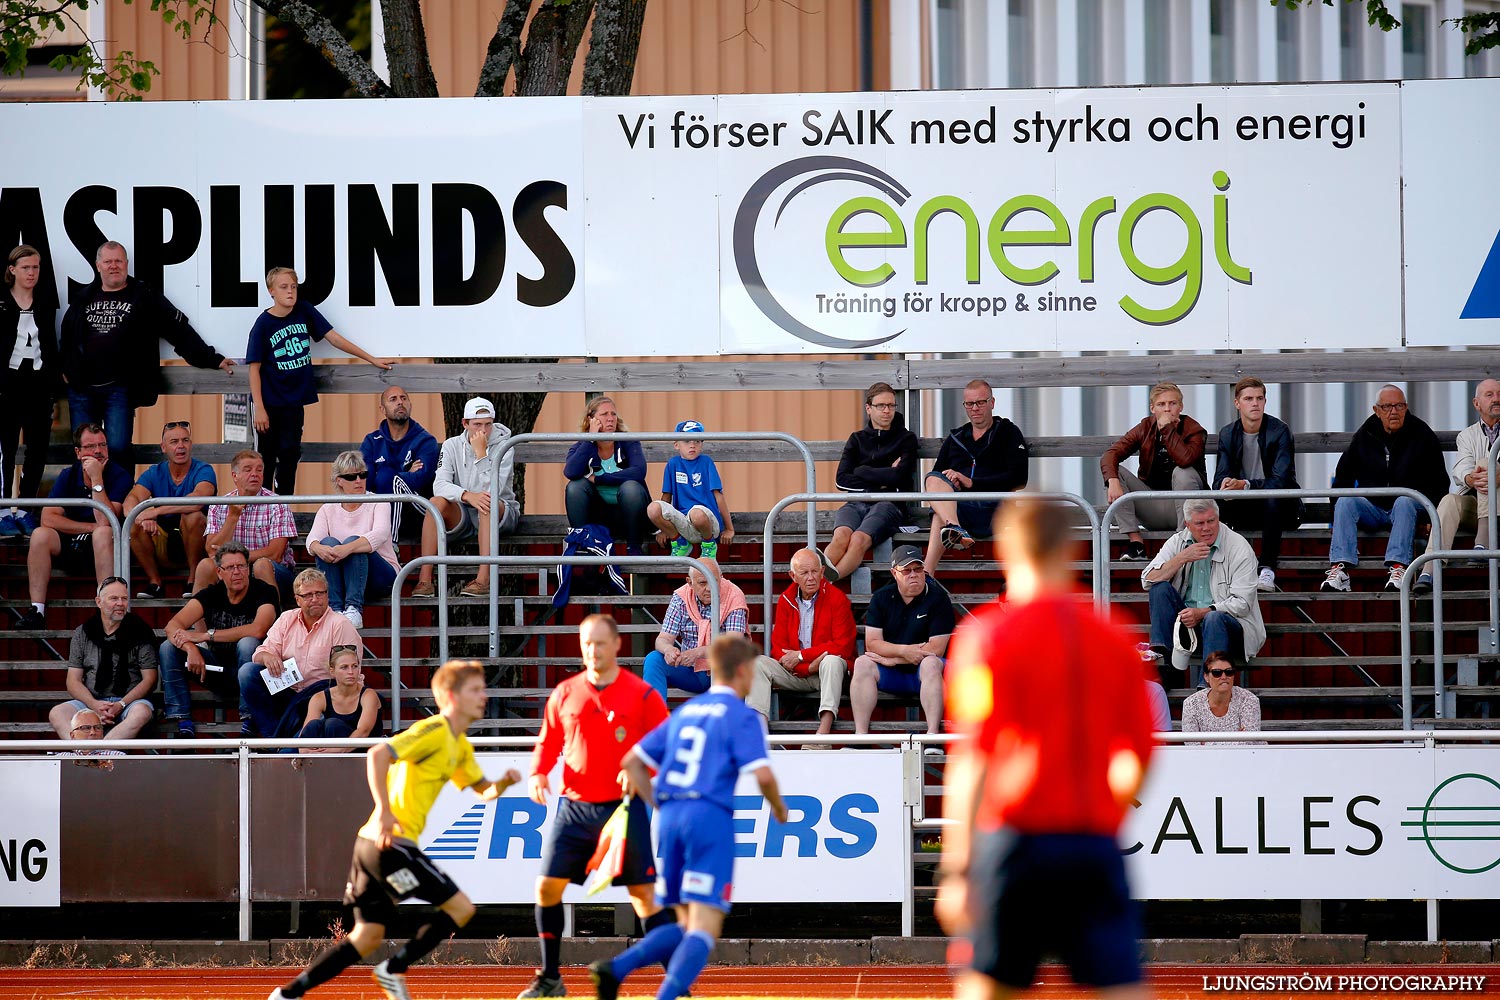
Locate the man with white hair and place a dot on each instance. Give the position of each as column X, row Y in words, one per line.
column 1468, row 508
column 467, row 484
column 1203, row 582
column 680, row 656
column 86, row 727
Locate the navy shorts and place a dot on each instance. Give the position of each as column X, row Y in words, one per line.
column 879, row 519
column 900, row 680
column 977, row 517
column 695, row 851
column 1052, row 894
column 575, row 835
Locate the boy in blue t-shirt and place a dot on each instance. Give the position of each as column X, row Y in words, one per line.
column 691, row 508
column 281, row 375
column 698, row 755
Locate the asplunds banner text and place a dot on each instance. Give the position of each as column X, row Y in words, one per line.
column 1177, row 218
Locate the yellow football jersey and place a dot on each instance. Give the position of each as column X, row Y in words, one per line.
column 427, row 755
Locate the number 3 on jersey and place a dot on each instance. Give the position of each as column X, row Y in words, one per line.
column 689, row 754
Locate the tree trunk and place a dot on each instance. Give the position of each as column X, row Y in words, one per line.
column 609, row 68
column 406, row 54
column 551, row 46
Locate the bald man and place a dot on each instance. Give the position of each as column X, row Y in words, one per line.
column 812, row 643
column 1468, row 508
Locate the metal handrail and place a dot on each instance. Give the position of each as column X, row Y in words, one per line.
column 512, row 442
column 1489, row 469
column 769, row 597
column 539, row 561
column 1435, row 557
column 318, row 498
column 121, row 548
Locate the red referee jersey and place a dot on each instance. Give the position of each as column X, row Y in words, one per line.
column 593, row 728
column 1049, row 692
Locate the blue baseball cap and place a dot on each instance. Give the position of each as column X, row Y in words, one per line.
column 690, row 427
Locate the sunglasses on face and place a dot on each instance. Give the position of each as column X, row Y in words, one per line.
column 354, row 477
column 1225, row 672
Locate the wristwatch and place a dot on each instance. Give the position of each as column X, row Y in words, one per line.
column 210, row 635
column 98, row 487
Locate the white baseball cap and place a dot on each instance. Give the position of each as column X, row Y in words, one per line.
column 478, row 407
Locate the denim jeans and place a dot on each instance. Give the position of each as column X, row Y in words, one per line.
column 272, row 715
column 1352, row 513
column 109, row 406
column 175, row 677
column 357, row 578
column 1219, row 630
column 660, row 676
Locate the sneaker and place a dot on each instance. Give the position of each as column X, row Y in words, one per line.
column 1393, row 582
column 9, row 528
column 606, row 986
column 681, row 548
column 1134, row 552
column 1336, row 579
column 152, row 591
column 954, row 537
column 356, row 617
column 393, row 983
column 829, row 573
column 544, row 986
column 708, row 550
column 32, row 620
column 28, row 523
column 276, row 994
column 1266, row 582
column 933, row 750
column 185, row 730
column 476, row 588
column 424, row 588
column 1423, row 584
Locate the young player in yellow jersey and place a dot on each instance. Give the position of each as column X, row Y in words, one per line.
column 406, row 774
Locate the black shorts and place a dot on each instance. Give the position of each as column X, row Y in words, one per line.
column 78, row 553
column 575, row 835
column 879, row 519
column 1063, row 895
column 378, row 880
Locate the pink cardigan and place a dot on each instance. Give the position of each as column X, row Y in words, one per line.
column 369, row 520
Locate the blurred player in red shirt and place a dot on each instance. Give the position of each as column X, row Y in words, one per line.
column 592, row 720
column 1051, row 699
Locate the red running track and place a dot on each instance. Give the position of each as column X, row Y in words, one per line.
column 1168, row 982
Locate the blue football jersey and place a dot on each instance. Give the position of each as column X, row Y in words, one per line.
column 700, row 752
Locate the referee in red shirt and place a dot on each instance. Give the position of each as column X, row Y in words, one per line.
column 592, row 721
column 1052, row 701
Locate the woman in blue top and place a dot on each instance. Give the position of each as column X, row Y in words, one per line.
column 607, row 479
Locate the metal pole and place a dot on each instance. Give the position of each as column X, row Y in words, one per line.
column 1493, row 639
column 1436, row 558
column 769, row 598
column 515, row 440
column 121, row 549
column 244, row 837
column 542, row 561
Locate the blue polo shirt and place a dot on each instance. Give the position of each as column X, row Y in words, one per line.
column 70, row 486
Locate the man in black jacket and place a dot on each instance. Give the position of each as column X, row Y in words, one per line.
column 987, row 455
column 880, row 458
column 110, row 349
column 1391, row 448
column 1258, row 452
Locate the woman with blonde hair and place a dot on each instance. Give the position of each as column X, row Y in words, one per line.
column 348, row 709
column 352, row 543
column 607, row 479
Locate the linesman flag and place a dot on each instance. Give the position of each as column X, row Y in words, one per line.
column 609, row 857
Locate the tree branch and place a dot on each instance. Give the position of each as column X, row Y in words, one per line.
column 318, row 30
column 551, row 46
column 609, row 68
column 505, row 46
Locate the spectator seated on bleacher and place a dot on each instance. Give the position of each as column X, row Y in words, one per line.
column 221, row 626
column 307, row 635
column 691, row 510
column 879, row 458
column 82, row 536
column 1468, row 508
column 265, row 529
column 1391, row 448
column 402, row 457
column 111, row 667
column 989, row 455
column 907, row 628
column 85, row 727
column 346, row 710
column 465, row 487
column 1222, row 707
column 1258, row 452
column 680, row 659
column 153, row 534
column 352, row 544
column 1171, row 446
column 1204, row 578
column 812, row 643
column 607, row 479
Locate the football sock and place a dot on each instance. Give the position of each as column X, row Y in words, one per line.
column 687, row 962
column 664, row 917
column 656, row 946
column 549, row 928
column 429, row 937
column 334, row 960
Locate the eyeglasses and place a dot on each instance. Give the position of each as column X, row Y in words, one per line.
column 881, row 406
column 1390, row 407
column 910, row 569
column 96, row 728
column 974, row 404
column 353, row 477
column 1217, row 672
column 312, row 593
column 170, row 424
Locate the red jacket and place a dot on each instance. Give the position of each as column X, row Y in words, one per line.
column 832, row 631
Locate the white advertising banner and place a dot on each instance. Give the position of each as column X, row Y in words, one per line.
column 843, row 841
column 1397, row 822
column 1450, row 146
column 29, row 833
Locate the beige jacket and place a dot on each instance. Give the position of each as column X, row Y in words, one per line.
column 1232, row 581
